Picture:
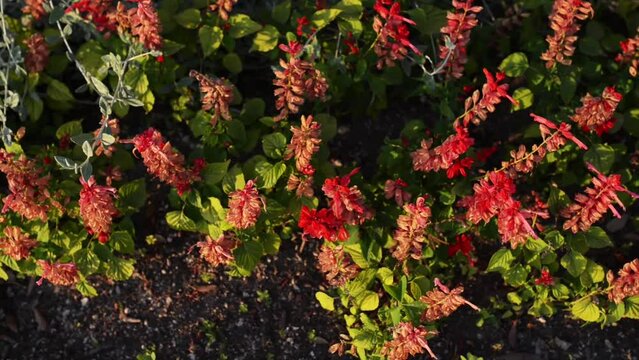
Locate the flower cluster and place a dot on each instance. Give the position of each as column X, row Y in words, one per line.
column 245, row 206
column 444, row 156
column 457, row 30
column 220, row 251
column 37, row 53
column 394, row 189
column 627, row 284
column 545, row 279
column 337, row 266
column 591, row 206
column 223, row 8
column 442, row 302
column 304, row 143
column 408, row 340
column 35, row 8
column 463, row 244
column 97, row 208
column 392, row 42
column 145, row 24
column 101, row 13
column 411, row 228
column 302, row 23
column 16, row 244
column 479, row 105
column 29, row 195
column 297, row 80
column 346, row 202
column 217, row 95
column 61, row 274
column 303, row 186
column 629, row 55
column 597, row 113
column 322, row 224
column 564, row 21
column 113, row 126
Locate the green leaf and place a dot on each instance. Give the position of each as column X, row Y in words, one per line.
column 594, row 273
column 328, row 125
column 87, row 261
column 597, row 238
column 3, row 274
column 177, row 220
column 500, row 260
column 632, row 307
column 266, row 39
column 269, row 173
column 232, row 63
column 326, row 302
column 516, row 276
column 536, row 245
column 58, row 91
column 574, row 262
column 385, row 275
column 247, row 257
column 120, row 269
column 242, row 25
column 86, row 289
column 252, row 110
column 271, row 243
column 282, row 11
column 233, row 180
column 122, row 241
column 322, row 18
column 213, row 173
column 132, row 195
column 189, row 18
column 369, row 302
column 274, row 145
column 514, row 64
column 524, row 97
column 429, row 19
column 34, row 106
column 210, row 39
column 70, row 128
column 567, row 88
column 584, row 309
column 601, row 156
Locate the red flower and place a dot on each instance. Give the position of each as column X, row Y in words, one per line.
column 97, row 208
column 293, row 48
column 627, row 284
column 35, row 8
column 512, row 224
column 58, row 274
column 16, row 244
column 346, row 202
column 630, row 54
column 545, row 279
column 485, row 153
column 563, row 130
column 476, row 109
column 322, row 224
column 392, row 42
column 245, row 206
column 102, row 13
column 494, row 190
column 458, row 30
column 464, row 244
column 351, row 43
column 442, row 157
column 411, row 229
column 459, row 167
column 597, row 113
column 301, row 23
column 395, row 189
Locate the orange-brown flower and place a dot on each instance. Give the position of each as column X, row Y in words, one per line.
column 444, row 156
column 394, row 189
column 217, row 95
column 114, row 130
column 223, row 8
column 37, row 53
column 408, row 340
column 220, row 251
column 442, row 302
column 627, row 284
column 145, row 24
column 61, row 274
column 16, row 244
column 303, row 186
column 304, row 143
column 478, row 106
column 458, row 28
column 564, row 21
column 337, row 266
column 411, row 228
column 297, row 80
column 35, row 8
column 245, row 206
column 597, row 113
column 97, row 208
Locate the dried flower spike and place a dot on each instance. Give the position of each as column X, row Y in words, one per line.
column 458, row 28
column 444, row 156
column 411, row 227
column 35, row 8
column 597, row 113
column 220, row 251
column 97, row 208
column 61, row 274
column 304, row 143
column 408, row 340
column 564, row 21
column 629, row 54
column 392, row 41
column 217, row 95
column 223, row 8
column 478, row 106
column 626, row 285
column 37, row 54
column 145, row 24
column 296, row 81
column 347, row 203
column 394, row 189
column 245, row 206
column 16, row 244
column 337, row 266
column 442, row 302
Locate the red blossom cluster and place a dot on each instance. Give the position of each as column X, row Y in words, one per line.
column 97, row 208
column 16, row 244
column 463, row 244
column 444, row 156
column 351, row 44
column 29, row 195
column 629, row 54
column 37, row 53
column 408, row 340
column 627, row 284
column 564, row 21
column 457, row 29
column 545, row 279
column 61, row 274
column 35, row 8
column 223, row 8
column 597, row 113
column 217, row 95
column 394, row 189
column 411, row 228
column 322, row 224
column 442, row 302
column 337, row 266
column 145, row 24
column 220, row 251
column 479, row 105
column 101, row 13
column 392, row 41
column 346, row 202
column 591, row 206
column 302, row 23
column 163, row 161
column 245, row 206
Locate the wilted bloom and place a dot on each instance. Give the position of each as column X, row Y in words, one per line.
column 97, row 208
column 476, row 108
column 392, row 41
column 61, row 274
column 442, row 302
column 512, row 224
column 597, row 113
column 463, row 244
column 494, row 190
column 337, row 266
column 303, row 186
column 457, row 29
column 408, row 340
column 37, row 54
column 304, row 143
column 35, row 8
column 347, row 203
column 111, row 174
column 545, row 279
column 322, row 224
column 629, row 54
column 591, row 206
column 444, row 156
column 245, row 206
column 223, row 8
column 220, row 251
column 411, row 227
column 394, row 189
column 217, row 95
column 564, row 21
column 145, row 24
column 16, row 244
column 297, row 80
column 113, row 126
column 627, row 284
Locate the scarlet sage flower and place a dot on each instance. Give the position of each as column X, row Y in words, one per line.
column 37, row 54
column 591, row 206
column 442, row 302
column 556, row 139
column 394, row 189
column 494, row 190
column 322, row 224
column 220, row 251
column 411, row 229
column 61, row 274
column 346, row 202
column 597, row 113
column 97, row 208
column 302, row 22
column 463, row 244
column 459, row 167
column 351, row 43
column 35, row 8
column 442, row 157
column 303, row 186
column 337, row 266
column 113, row 126
column 512, row 224
column 217, row 95
column 564, row 21
column 392, row 41
column 626, row 285
column 102, row 14
column 545, row 279
column 296, row 81
column 223, row 8
column 245, row 206
column 458, row 28
column 408, row 340
column 478, row 106
column 629, row 55
column 484, row 154
column 304, row 143
column 16, row 244
column 145, row 24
